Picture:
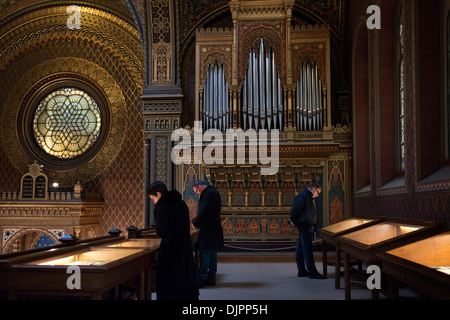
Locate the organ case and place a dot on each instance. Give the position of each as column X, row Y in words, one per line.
column 264, row 73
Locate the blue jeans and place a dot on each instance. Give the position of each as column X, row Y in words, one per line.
column 208, row 265
column 304, row 251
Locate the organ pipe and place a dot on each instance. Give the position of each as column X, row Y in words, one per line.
column 262, row 94
column 216, row 101
column 309, row 99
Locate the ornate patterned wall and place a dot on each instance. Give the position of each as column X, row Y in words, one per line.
column 106, row 50
column 195, row 12
column 255, row 208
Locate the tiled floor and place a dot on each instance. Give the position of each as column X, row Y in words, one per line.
column 260, row 278
column 273, row 281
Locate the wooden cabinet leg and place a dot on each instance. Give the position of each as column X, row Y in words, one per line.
column 347, row 276
column 324, row 258
column 337, row 267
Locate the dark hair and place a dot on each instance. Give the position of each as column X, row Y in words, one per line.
column 199, row 183
column 314, row 184
column 155, row 187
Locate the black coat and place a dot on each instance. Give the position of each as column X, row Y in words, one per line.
column 210, row 236
column 175, row 277
column 303, row 212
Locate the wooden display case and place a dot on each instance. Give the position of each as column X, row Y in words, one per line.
column 367, row 243
column 137, row 243
column 101, row 269
column 329, row 235
column 150, row 233
column 423, row 265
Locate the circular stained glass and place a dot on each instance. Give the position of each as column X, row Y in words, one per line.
column 67, row 123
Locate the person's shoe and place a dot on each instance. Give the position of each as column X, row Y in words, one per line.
column 302, row 274
column 210, row 283
column 200, row 284
column 316, row 275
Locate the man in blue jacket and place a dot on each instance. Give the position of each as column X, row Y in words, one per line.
column 304, row 217
column 210, row 236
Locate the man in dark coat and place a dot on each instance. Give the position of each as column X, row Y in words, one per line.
column 210, row 236
column 304, row 217
column 175, row 276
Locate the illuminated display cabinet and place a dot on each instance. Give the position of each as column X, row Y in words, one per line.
column 329, row 234
column 366, row 243
column 102, row 268
column 137, row 243
column 423, row 265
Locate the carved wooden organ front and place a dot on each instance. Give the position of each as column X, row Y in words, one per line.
column 263, row 73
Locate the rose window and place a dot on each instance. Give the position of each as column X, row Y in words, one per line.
column 67, row 123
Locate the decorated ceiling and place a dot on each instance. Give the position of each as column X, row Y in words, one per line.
column 329, row 12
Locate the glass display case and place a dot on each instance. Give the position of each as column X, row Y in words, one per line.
column 348, row 225
column 137, row 243
column 365, row 244
column 101, row 269
column 386, row 231
column 423, row 265
column 91, row 257
column 329, row 234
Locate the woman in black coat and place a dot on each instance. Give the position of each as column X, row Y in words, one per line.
column 175, row 277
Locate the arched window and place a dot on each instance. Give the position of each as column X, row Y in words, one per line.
column 401, row 95
column 448, row 85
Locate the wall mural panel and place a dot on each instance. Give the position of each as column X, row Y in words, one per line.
column 336, row 192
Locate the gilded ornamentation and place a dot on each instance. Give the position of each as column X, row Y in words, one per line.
column 116, row 101
column 97, row 26
column 8, row 233
column 161, row 56
column 215, row 45
column 161, row 159
column 162, row 107
column 274, row 34
column 315, row 52
column 161, row 42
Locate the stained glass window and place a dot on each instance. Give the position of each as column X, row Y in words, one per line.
column 67, row 123
column 448, row 85
column 402, row 100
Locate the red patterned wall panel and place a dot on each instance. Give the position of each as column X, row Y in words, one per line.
column 388, row 91
column 362, row 109
column 430, row 86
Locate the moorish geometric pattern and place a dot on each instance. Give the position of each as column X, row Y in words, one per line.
column 67, row 123
column 107, row 50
